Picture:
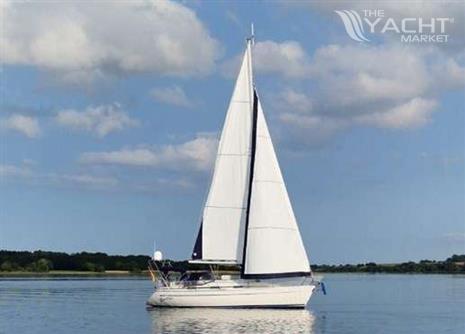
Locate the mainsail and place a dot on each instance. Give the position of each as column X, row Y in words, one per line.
column 221, row 234
column 248, row 217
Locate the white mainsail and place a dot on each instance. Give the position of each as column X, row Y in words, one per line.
column 248, row 217
column 221, row 235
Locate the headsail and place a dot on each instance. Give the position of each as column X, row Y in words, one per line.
column 221, row 234
column 273, row 246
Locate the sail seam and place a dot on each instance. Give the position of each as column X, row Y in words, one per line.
column 234, row 154
column 273, row 228
column 225, row 207
column 268, row 181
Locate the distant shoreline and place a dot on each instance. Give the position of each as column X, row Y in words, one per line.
column 73, row 273
column 145, row 275
column 84, row 264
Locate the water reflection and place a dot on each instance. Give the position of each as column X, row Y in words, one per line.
column 192, row 320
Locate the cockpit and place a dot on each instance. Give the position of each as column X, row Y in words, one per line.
column 189, row 277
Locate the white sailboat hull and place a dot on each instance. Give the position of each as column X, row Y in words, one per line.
column 296, row 296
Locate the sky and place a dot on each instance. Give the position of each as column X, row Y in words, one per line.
column 110, row 114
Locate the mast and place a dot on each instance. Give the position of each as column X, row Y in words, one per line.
column 250, row 43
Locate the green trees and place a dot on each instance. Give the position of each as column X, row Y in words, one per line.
column 8, row 266
column 42, row 265
column 454, row 264
column 456, row 258
column 42, row 261
column 89, row 266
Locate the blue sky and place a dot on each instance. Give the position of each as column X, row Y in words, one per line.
column 110, row 113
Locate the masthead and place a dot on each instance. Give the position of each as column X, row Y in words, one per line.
column 251, row 38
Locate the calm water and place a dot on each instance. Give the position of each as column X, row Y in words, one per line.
column 354, row 304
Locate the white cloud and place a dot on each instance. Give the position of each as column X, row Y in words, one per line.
column 449, row 72
column 174, row 95
column 311, row 129
column 415, row 113
column 197, row 154
column 150, row 183
column 125, row 156
column 28, row 126
column 163, row 185
column 286, row 58
column 388, row 86
column 293, row 101
column 100, row 120
column 23, row 172
column 80, row 41
column 351, row 74
column 84, row 179
column 7, row 171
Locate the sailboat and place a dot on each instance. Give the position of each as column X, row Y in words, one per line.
column 247, row 222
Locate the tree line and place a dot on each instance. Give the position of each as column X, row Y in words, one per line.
column 43, row 261
column 453, row 264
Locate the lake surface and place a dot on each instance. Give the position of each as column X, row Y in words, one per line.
column 355, row 303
